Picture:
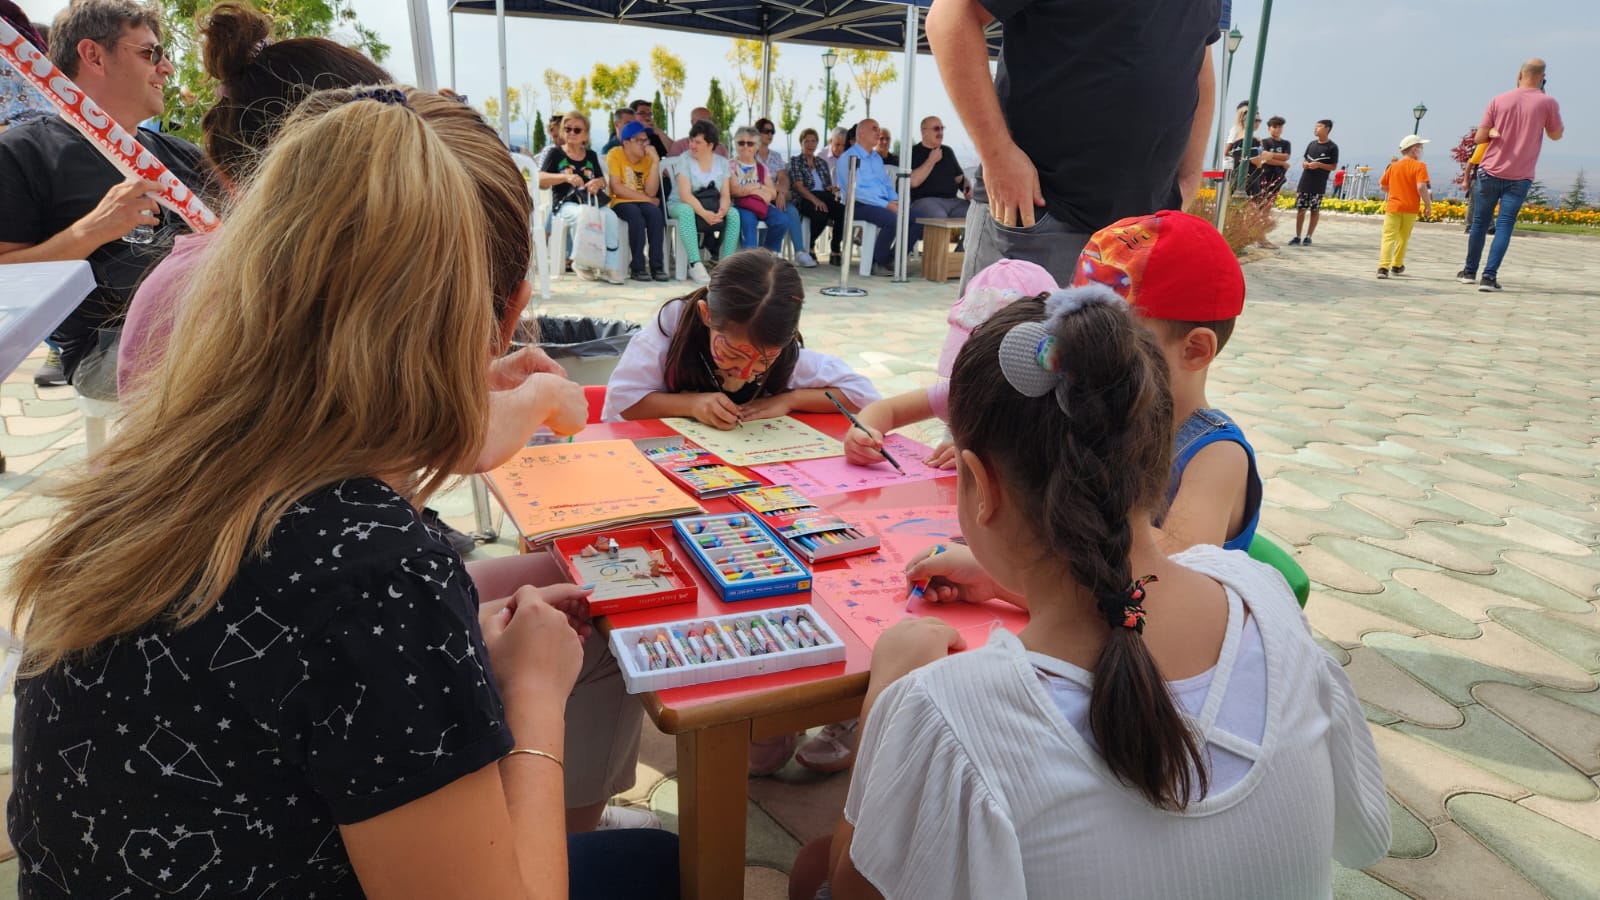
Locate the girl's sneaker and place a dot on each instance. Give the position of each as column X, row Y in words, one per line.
column 698, row 274
column 833, row 749
column 772, row 754
column 805, row 260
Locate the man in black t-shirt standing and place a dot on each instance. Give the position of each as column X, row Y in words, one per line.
column 1321, row 157
column 1274, row 161
column 65, row 201
column 1054, row 130
column 939, row 188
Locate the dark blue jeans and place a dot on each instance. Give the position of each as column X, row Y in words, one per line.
column 637, row 864
column 1489, row 191
column 646, row 225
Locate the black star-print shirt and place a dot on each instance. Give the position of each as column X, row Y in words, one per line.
column 341, row 675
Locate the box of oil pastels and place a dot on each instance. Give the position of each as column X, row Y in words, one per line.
column 695, row 651
column 741, row 557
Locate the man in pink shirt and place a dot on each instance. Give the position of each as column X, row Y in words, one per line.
column 1515, row 126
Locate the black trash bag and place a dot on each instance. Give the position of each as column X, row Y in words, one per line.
column 579, row 336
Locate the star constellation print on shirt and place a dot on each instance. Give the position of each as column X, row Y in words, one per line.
column 341, row 674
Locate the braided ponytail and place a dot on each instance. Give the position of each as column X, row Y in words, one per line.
column 1080, row 458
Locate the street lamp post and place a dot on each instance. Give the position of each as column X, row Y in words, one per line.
column 1234, row 39
column 829, row 59
column 1418, row 112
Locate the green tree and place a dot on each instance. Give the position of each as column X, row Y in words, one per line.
column 722, row 112
column 491, row 111
column 1538, row 194
column 669, row 72
column 657, row 111
column 789, row 106
column 581, row 101
column 540, row 138
column 746, row 59
column 559, row 89
column 610, row 86
column 1578, row 197
column 836, row 105
column 191, row 92
column 871, row 70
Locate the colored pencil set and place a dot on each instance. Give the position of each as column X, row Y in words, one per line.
column 815, row 535
column 695, row 651
column 741, row 557
column 699, row 471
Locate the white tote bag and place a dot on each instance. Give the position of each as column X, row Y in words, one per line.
column 589, row 244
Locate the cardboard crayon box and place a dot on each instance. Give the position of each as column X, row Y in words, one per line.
column 716, row 648
column 815, row 535
column 696, row 470
column 631, row 568
column 741, row 558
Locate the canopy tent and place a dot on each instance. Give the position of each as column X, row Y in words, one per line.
column 847, row 24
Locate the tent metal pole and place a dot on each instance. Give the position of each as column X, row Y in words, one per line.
column 766, row 75
column 844, row 289
column 902, row 225
column 450, row 17
column 505, row 105
column 422, row 46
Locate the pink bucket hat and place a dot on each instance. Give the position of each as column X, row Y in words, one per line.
column 993, row 288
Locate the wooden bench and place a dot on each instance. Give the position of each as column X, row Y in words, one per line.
column 940, row 261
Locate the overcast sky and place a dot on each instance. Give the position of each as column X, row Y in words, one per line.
column 1362, row 63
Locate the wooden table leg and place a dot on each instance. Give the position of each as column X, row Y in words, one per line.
column 935, row 248
column 713, row 766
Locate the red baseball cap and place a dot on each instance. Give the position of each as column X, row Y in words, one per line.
column 1167, row 265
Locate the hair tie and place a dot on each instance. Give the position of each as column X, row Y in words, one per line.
column 1128, row 611
column 1030, row 356
column 386, row 96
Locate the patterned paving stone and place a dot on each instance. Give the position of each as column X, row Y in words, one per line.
column 1411, row 839
column 1326, row 568
column 1577, row 645
column 1470, row 601
column 1341, row 518
column 1559, row 861
column 1429, row 548
column 1569, row 732
column 1518, row 531
column 1450, row 675
column 1461, row 867
column 1583, row 818
column 1386, row 686
column 1418, row 613
column 1488, row 742
column 1508, row 651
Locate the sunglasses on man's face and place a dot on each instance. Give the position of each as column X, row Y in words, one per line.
column 153, row 53
column 767, row 131
column 745, row 143
column 935, row 127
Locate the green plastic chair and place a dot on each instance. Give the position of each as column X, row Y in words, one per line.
column 1265, row 551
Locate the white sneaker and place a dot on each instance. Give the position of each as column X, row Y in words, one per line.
column 612, row 276
column 805, row 260
column 698, row 274
column 586, row 273
column 615, row 818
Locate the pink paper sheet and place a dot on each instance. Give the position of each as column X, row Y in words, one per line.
column 821, row 477
column 871, row 595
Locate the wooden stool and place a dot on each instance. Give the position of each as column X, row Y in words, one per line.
column 940, row 263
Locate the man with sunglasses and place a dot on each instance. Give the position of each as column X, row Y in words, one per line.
column 939, row 187
column 644, row 114
column 64, row 201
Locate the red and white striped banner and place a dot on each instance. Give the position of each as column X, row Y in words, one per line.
column 111, row 139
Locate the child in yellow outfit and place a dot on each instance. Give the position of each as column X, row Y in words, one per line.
column 1406, row 182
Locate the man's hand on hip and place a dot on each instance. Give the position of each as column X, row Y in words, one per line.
column 1012, row 183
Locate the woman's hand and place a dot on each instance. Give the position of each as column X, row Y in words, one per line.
column 566, row 407
column 716, row 410
column 595, row 184
column 863, row 446
column 767, row 407
column 574, row 179
column 943, row 456
column 510, row 371
column 533, row 649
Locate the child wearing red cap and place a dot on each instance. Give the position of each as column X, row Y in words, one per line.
column 1180, row 276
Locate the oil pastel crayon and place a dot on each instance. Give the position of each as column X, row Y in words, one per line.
column 767, row 642
column 713, row 640
column 809, row 630
column 647, row 657
column 699, row 647
column 746, row 635
column 734, row 642
column 669, row 657
column 683, row 647
column 789, row 629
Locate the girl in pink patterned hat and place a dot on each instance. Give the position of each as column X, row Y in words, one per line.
column 989, row 291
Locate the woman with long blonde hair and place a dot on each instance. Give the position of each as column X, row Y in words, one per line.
column 249, row 667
